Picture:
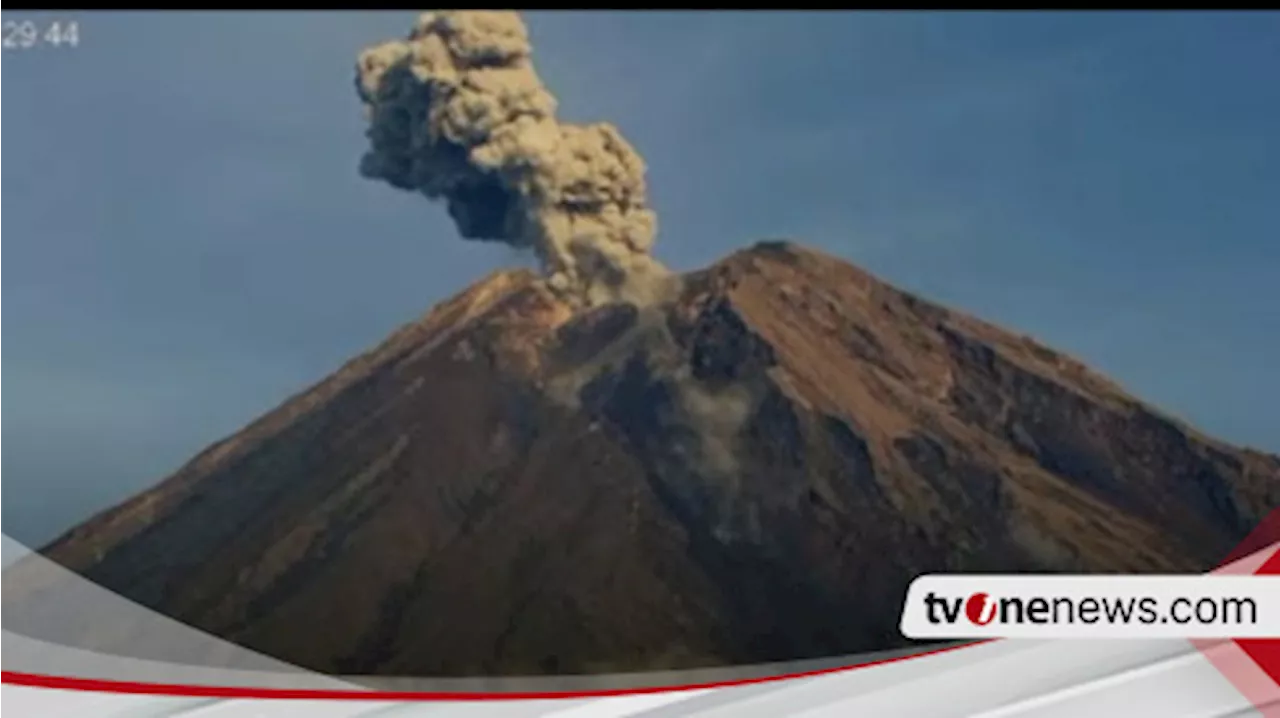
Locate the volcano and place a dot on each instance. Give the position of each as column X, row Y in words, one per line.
column 752, row 469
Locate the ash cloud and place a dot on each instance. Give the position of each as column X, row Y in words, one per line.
column 457, row 112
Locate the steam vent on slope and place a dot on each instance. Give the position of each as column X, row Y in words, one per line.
column 609, row 467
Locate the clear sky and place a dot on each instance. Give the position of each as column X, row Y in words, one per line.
column 189, row 242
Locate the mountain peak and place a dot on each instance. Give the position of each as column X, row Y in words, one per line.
column 751, row 470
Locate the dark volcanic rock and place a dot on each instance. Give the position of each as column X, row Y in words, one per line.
column 753, row 473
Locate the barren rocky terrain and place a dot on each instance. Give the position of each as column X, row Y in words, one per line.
column 753, row 471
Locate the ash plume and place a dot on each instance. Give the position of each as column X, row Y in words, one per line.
column 457, row 112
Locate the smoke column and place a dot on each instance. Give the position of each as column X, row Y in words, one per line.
column 457, row 112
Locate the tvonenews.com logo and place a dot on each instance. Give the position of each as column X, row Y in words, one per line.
column 972, row 606
column 982, row 609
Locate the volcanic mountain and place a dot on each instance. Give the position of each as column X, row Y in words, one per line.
column 751, row 470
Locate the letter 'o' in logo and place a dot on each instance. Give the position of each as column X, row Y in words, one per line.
column 980, row 609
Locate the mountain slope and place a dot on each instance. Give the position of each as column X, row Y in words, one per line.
column 751, row 472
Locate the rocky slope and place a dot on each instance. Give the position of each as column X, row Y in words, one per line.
column 752, row 472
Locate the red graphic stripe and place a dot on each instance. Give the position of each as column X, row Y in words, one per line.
column 198, row 691
column 1266, row 533
column 1266, row 651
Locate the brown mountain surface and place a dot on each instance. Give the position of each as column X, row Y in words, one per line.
column 753, row 471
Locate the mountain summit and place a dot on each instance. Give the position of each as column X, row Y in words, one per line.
column 752, row 469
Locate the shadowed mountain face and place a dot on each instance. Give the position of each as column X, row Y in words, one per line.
column 752, row 471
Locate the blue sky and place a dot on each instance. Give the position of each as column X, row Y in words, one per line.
column 189, row 242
